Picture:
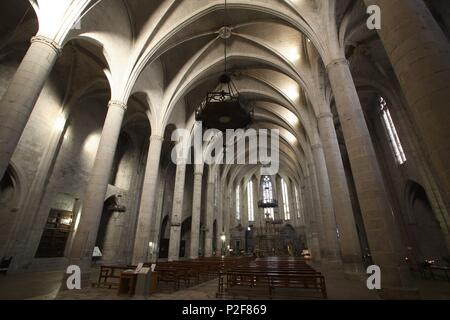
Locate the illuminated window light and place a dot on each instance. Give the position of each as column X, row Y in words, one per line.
column 251, row 212
column 394, row 140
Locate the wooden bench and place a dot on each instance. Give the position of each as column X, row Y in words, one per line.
column 265, row 277
column 193, row 271
column 440, row 269
column 312, row 285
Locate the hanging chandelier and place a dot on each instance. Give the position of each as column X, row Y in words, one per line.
column 223, row 108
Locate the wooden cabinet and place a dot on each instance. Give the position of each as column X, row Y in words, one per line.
column 55, row 235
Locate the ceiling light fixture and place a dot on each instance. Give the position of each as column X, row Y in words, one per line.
column 223, row 108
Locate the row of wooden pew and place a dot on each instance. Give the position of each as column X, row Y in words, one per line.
column 187, row 272
column 195, row 271
column 272, row 277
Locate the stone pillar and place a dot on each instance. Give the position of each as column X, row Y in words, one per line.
column 155, row 230
column 331, row 247
column 292, row 205
column 18, row 101
column 86, row 233
column 377, row 214
column 142, row 251
column 316, row 212
column 223, row 217
column 420, row 55
column 311, row 219
column 209, row 219
column 76, row 211
column 348, row 235
column 279, row 211
column 177, row 212
column 196, row 208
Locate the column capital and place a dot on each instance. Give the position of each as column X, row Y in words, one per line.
column 336, row 62
column 49, row 42
column 325, row 115
column 117, row 103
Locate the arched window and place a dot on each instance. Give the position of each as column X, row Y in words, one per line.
column 287, row 213
column 251, row 213
column 268, row 196
column 394, row 140
column 267, row 190
column 297, row 202
column 238, row 205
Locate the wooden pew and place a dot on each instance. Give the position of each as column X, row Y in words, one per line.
column 264, row 277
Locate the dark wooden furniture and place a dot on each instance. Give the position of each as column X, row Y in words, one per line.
column 264, row 278
column 110, row 275
column 440, row 269
column 127, row 284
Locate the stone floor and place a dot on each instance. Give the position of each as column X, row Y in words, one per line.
column 45, row 286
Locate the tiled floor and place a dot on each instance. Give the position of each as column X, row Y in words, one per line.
column 45, row 286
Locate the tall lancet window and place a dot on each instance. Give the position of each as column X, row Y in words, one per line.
column 287, row 213
column 251, row 212
column 297, row 202
column 268, row 196
column 238, row 203
column 394, row 140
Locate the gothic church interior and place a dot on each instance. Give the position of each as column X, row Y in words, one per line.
column 93, row 93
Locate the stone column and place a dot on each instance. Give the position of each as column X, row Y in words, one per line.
column 177, row 212
column 18, row 101
column 331, row 247
column 292, row 205
column 302, row 205
column 86, row 233
column 348, row 236
column 223, row 217
column 377, row 214
column 316, row 207
column 279, row 211
column 209, row 219
column 311, row 217
column 142, row 251
column 420, row 55
column 76, row 212
column 196, row 208
column 155, row 230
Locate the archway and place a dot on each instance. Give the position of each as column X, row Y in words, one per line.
column 426, row 234
column 214, row 240
column 164, row 239
column 185, row 238
column 108, row 236
column 9, row 201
